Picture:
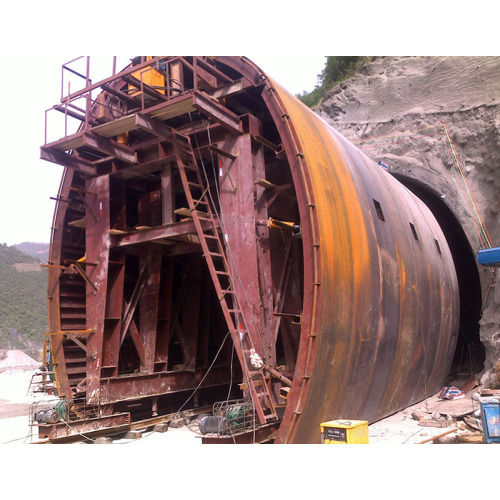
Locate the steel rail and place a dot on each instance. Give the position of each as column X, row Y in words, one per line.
column 133, row 426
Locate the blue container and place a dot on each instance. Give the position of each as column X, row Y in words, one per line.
column 490, row 417
column 489, row 257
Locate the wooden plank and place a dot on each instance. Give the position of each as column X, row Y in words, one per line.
column 67, row 143
column 116, row 127
column 490, row 392
column 185, row 212
column 164, row 111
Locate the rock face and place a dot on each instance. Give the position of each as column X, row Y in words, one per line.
column 434, row 122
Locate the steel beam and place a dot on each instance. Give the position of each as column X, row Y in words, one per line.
column 124, row 388
column 66, row 160
column 78, row 427
column 249, row 261
column 110, row 148
column 215, row 111
column 152, row 126
column 154, row 234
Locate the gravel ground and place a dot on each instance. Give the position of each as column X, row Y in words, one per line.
column 400, row 428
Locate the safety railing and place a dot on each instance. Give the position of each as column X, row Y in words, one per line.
column 160, row 77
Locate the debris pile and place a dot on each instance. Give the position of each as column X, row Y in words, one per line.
column 454, row 415
column 18, row 360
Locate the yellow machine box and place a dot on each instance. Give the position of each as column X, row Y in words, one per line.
column 344, row 432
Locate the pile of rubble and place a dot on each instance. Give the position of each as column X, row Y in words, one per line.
column 452, row 416
column 16, row 359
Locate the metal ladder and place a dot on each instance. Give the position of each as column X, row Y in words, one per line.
column 215, row 256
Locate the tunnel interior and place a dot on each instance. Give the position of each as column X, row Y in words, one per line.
column 470, row 352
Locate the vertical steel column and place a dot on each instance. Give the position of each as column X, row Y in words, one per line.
column 164, row 315
column 97, row 252
column 167, row 194
column 267, row 318
column 237, row 206
column 148, row 309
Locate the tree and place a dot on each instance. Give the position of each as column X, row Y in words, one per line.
column 337, row 69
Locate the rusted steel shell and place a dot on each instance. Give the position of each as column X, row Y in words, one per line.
column 380, row 309
column 387, row 307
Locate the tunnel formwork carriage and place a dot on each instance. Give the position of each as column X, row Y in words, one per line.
column 214, row 240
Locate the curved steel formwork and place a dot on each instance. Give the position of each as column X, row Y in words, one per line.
column 200, row 201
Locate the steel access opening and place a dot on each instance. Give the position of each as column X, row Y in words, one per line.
column 470, row 352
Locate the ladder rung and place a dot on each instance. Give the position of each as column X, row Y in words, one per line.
column 190, row 167
column 200, row 202
column 216, row 255
column 270, row 415
column 186, row 161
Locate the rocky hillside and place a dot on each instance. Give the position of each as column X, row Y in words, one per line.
column 23, row 301
column 434, row 122
column 38, row 250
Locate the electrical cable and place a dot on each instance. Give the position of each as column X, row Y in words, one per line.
column 230, row 253
column 206, row 374
column 442, row 130
column 245, row 368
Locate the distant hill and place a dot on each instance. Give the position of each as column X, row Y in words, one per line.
column 38, row 250
column 23, row 300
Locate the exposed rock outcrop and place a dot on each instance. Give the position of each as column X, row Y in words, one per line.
column 435, row 123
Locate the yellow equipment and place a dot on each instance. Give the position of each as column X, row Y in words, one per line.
column 150, row 77
column 344, row 432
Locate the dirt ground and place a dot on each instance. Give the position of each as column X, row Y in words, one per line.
column 400, row 428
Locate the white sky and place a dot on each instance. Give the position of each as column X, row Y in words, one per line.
column 30, row 83
column 26, row 181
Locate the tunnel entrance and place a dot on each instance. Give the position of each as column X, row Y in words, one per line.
column 470, row 352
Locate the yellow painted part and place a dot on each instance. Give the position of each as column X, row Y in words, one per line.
column 122, row 138
column 344, row 432
column 272, row 223
column 150, row 77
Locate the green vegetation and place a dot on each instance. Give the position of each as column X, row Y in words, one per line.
column 337, row 69
column 23, row 302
